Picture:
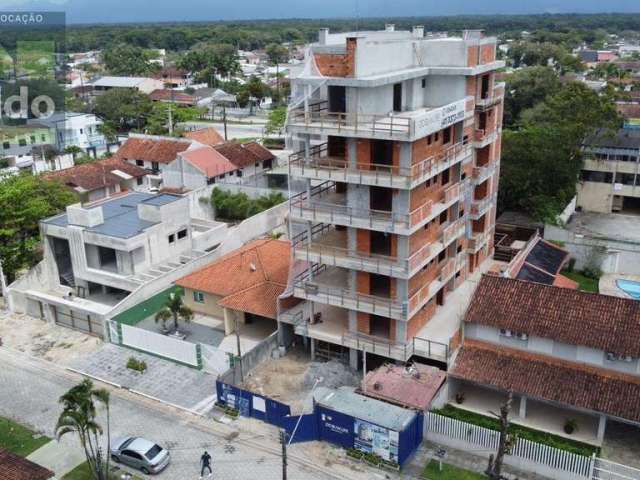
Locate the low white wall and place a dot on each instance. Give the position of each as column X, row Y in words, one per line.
column 174, row 349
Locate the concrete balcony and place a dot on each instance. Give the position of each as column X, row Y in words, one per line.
column 483, row 137
column 477, row 241
column 317, row 165
column 328, row 206
column 493, row 98
column 404, row 126
column 330, row 287
column 480, row 174
column 610, row 166
column 479, row 207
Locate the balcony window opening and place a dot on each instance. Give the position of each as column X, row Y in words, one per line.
column 107, row 258
column 443, row 217
column 424, row 83
column 380, row 243
column 381, row 199
column 140, row 163
column 436, row 136
column 442, row 256
column 172, row 238
column 379, row 326
column 155, row 166
column 484, row 89
column 382, row 153
column 482, row 121
column 337, row 99
column 397, row 97
column 380, row 285
column 182, row 234
column 429, row 140
column 139, row 181
column 446, row 135
column 445, row 177
column 336, row 147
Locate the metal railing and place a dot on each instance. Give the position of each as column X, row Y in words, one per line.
column 319, row 115
column 401, row 351
column 337, row 168
column 480, row 207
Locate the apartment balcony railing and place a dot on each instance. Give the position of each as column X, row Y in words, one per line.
column 477, row 240
column 480, row 174
column 481, row 206
column 404, row 126
column 483, row 137
column 343, row 297
column 399, row 351
column 492, row 98
column 335, row 211
column 318, row 165
column 453, row 231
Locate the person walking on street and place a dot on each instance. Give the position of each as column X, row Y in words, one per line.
column 205, row 463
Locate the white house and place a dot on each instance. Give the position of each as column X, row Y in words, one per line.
column 77, row 129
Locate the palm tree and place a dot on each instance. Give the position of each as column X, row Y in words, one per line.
column 78, row 416
column 175, row 309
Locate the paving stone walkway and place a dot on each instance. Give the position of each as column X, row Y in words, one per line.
column 163, row 380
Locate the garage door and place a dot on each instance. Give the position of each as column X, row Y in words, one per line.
column 78, row 321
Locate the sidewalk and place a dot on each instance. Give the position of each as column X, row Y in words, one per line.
column 59, row 457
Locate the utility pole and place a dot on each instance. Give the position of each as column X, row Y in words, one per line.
column 224, row 120
column 283, row 441
column 494, row 469
column 238, row 344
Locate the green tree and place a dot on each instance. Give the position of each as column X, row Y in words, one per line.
column 175, row 309
column 276, row 120
column 80, row 416
column 124, row 59
column 158, row 119
column 210, row 60
column 25, row 200
column 526, row 88
column 123, row 109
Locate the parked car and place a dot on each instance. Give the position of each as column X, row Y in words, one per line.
column 139, row 453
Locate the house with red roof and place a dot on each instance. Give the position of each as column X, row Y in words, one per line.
column 242, row 287
column 15, row 467
column 570, row 358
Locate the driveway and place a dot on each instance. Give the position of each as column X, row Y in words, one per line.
column 622, row 443
column 163, row 380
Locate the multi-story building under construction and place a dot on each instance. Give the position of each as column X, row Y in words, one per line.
column 397, row 136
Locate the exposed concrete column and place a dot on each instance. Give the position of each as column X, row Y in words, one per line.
column 353, row 358
column 313, row 349
column 229, row 326
column 523, row 407
column 602, row 426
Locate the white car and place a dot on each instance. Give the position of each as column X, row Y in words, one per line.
column 136, row 452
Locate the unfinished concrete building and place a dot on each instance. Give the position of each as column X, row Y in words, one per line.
column 398, row 140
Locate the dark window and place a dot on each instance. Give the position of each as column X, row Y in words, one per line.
column 139, row 180
column 593, row 176
column 461, row 213
column 6, row 145
column 22, row 142
column 172, row 238
column 429, row 140
column 257, row 164
column 443, row 217
column 81, row 131
column 155, row 166
column 424, row 83
column 43, row 138
column 238, row 173
column 437, row 136
column 397, row 97
column 459, row 249
column 182, row 234
column 445, row 177
column 446, row 135
column 140, row 163
column 442, row 255
column 33, row 139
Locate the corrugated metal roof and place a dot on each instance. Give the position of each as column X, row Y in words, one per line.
column 345, row 400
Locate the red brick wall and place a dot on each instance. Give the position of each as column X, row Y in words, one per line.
column 472, row 56
column 363, row 323
column 423, row 277
column 338, row 65
column 487, row 53
column 421, row 149
column 363, row 151
column 363, row 240
column 363, row 283
column 420, row 319
column 421, row 194
column 423, row 236
column 472, row 86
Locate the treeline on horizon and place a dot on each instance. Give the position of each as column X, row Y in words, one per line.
column 255, row 34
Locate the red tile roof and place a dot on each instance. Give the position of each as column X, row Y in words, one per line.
column 167, row 95
column 151, row 149
column 245, row 154
column 545, row 378
column 408, row 388
column 14, row 467
column 94, row 175
column 206, row 136
column 570, row 316
column 208, row 161
column 251, row 278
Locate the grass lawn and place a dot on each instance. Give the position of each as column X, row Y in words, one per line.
column 537, row 436
column 586, row 284
column 18, row 439
column 449, row 472
column 81, row 472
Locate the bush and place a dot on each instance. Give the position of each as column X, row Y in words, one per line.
column 537, row 436
column 238, row 206
column 137, row 365
column 593, row 273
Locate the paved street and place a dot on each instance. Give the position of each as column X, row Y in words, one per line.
column 29, row 394
column 235, row 130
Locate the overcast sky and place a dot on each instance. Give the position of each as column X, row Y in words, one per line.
column 89, row 11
